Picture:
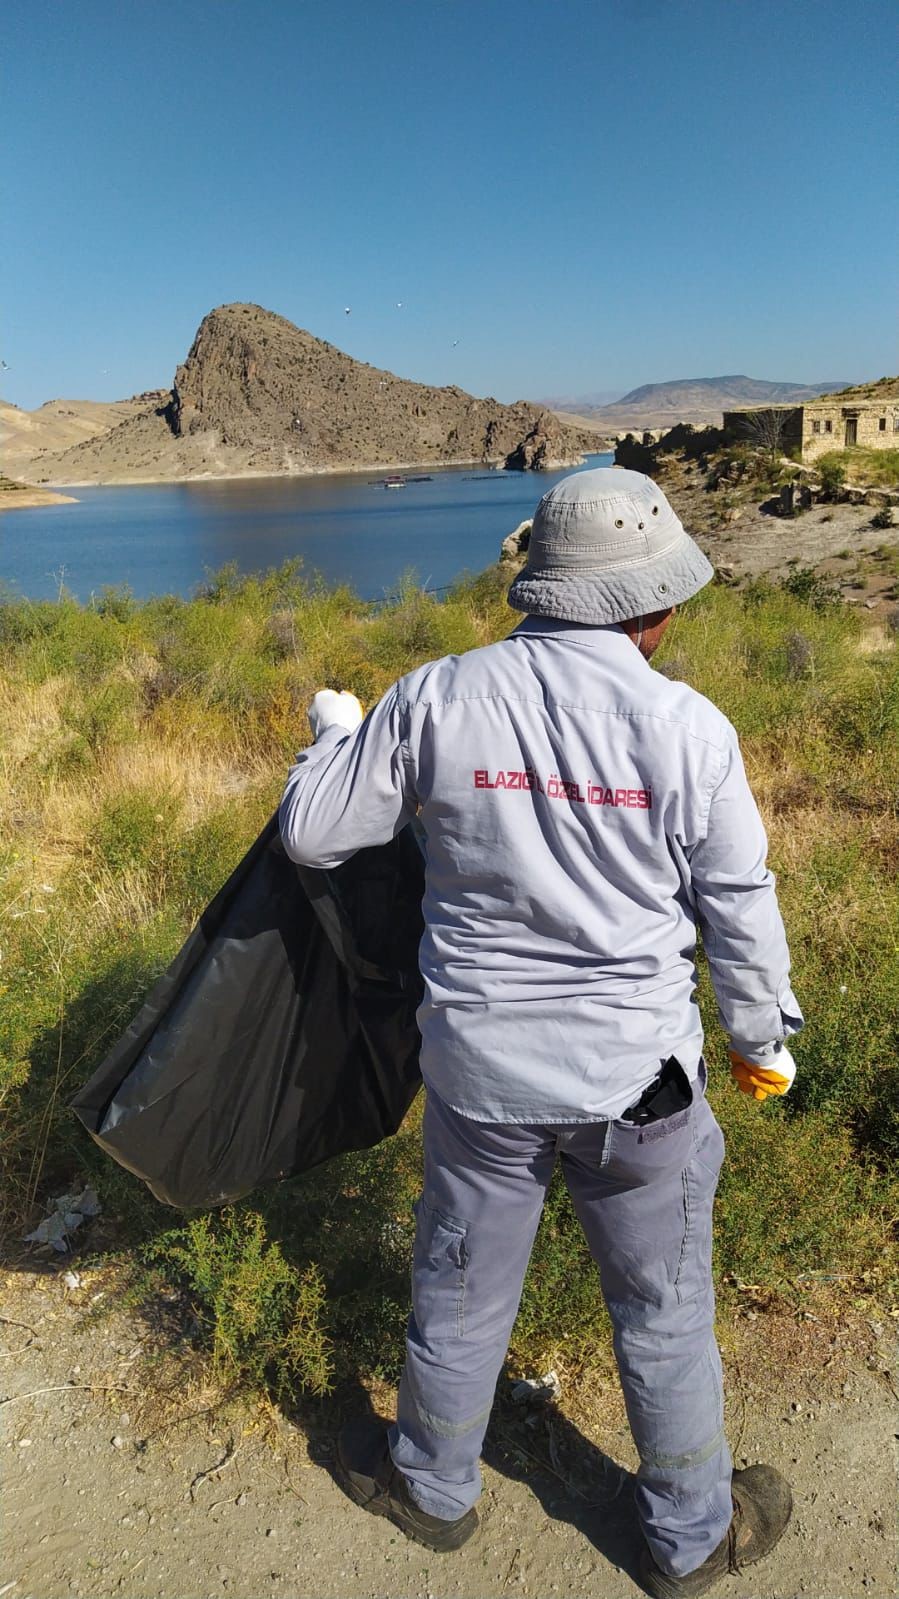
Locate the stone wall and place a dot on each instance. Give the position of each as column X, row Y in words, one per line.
column 816, row 428
column 828, row 426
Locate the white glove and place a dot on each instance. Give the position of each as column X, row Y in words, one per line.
column 769, row 1070
column 332, row 709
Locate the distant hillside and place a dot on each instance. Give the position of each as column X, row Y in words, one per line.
column 27, row 437
column 582, row 402
column 726, row 392
column 698, row 400
column 257, row 395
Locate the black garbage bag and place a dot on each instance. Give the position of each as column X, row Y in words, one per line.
column 282, row 1034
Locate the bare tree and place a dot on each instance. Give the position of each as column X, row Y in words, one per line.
column 767, row 428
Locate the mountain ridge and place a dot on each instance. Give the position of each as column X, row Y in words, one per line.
column 257, row 395
column 696, row 400
column 737, row 386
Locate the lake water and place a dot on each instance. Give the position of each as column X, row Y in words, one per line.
column 163, row 538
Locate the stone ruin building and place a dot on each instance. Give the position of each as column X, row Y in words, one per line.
column 835, row 422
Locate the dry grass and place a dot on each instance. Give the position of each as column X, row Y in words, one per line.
column 141, row 748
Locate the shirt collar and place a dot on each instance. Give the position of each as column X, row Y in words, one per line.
column 580, row 632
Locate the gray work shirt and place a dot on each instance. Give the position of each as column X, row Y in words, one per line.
column 582, row 813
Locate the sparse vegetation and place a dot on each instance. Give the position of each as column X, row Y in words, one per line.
column 886, row 388
column 805, row 584
column 866, row 467
column 263, row 1317
column 832, row 472
column 141, row 748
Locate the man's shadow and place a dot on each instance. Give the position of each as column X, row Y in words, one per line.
column 573, row 1479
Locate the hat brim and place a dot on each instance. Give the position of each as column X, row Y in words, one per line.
column 615, row 595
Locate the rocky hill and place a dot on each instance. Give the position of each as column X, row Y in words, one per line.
column 259, row 395
column 698, row 400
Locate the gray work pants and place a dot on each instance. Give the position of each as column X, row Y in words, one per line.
column 644, row 1199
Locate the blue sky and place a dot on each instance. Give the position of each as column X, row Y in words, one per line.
column 585, row 194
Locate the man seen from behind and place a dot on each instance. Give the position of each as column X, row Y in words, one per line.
column 584, row 818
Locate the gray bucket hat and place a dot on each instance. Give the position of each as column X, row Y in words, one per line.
column 606, row 546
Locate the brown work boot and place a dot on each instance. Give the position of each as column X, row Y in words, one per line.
column 369, row 1476
column 763, row 1505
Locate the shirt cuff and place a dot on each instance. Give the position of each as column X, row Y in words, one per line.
column 750, row 1042
column 756, row 1029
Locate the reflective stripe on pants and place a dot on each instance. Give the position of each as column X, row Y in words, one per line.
column 644, row 1199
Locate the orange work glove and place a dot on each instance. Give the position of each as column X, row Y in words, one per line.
column 775, row 1076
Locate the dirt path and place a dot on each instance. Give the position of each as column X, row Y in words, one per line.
column 136, row 1483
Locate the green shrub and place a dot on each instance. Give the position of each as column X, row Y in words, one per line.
column 864, row 464
column 105, row 714
column 807, row 585
column 833, row 475
column 118, row 603
column 263, row 1317
column 407, row 631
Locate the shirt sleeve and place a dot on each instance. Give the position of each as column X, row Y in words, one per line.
column 349, row 790
column 743, row 934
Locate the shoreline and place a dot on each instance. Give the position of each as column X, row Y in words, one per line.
column 26, row 499
column 320, row 471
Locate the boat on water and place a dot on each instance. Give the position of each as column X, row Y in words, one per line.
column 397, row 481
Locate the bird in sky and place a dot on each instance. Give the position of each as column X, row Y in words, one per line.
column 347, row 310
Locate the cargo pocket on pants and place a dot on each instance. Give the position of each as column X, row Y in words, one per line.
column 439, row 1263
column 699, row 1180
